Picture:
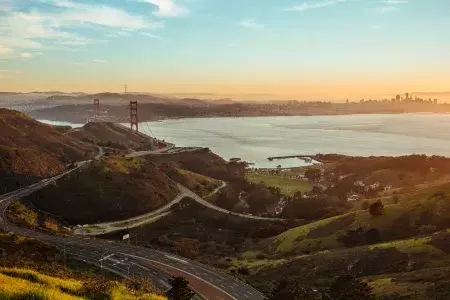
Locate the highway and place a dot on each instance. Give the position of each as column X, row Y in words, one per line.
column 128, row 260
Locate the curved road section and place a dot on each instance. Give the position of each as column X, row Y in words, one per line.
column 133, row 261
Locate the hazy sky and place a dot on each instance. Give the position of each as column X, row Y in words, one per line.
column 291, row 48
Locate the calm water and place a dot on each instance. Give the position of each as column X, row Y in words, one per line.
column 255, row 139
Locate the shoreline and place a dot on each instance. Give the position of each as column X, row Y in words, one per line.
column 79, row 121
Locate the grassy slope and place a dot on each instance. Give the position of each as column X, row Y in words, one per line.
column 21, row 215
column 408, row 266
column 30, row 150
column 323, row 234
column 203, row 162
column 112, row 135
column 31, row 270
column 200, row 184
column 288, row 186
column 29, row 284
column 114, row 188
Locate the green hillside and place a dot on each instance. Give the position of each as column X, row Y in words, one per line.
column 111, row 189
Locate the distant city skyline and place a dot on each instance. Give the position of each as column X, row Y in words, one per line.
column 288, row 49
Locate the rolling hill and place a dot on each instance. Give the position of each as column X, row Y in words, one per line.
column 30, row 150
column 112, row 135
column 111, row 189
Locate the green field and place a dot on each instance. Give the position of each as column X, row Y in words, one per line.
column 287, row 186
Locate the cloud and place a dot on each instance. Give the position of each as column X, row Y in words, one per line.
column 99, row 61
column 26, row 55
column 387, row 6
column 252, row 24
column 57, row 25
column 98, row 14
column 6, row 5
column 8, row 73
column 5, row 50
column 384, row 9
column 117, row 34
column 151, row 35
column 307, row 5
column 167, row 8
column 393, row 2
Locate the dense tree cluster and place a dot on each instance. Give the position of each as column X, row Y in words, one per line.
column 345, row 287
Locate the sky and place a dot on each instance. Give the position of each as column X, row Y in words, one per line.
column 306, row 50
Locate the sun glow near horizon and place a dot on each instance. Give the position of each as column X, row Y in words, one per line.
column 306, row 50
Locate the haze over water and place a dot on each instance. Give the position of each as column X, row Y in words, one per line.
column 257, row 138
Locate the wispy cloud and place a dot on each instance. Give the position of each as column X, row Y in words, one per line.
column 167, row 8
column 252, row 24
column 5, row 50
column 34, row 29
column 99, row 61
column 4, row 73
column 387, row 6
column 9, row 71
column 384, row 9
column 393, row 2
column 307, row 5
column 98, row 14
column 151, row 35
column 26, row 55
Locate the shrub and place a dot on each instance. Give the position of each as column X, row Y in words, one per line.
column 349, row 288
column 377, row 208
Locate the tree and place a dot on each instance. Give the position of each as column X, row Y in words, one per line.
column 312, row 174
column 227, row 199
column 377, row 208
column 440, row 291
column 347, row 287
column 292, row 289
column 352, row 238
column 187, row 247
column 180, row 289
column 365, row 205
column 395, row 199
column 261, row 198
column 316, row 189
column 298, row 195
column 372, row 236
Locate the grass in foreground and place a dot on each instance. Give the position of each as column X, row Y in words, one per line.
column 17, row 283
column 287, row 186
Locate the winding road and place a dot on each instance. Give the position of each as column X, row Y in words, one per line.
column 128, row 261
column 108, row 227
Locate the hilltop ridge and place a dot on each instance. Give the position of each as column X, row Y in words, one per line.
column 30, row 150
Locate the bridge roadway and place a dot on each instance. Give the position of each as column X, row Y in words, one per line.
column 128, row 260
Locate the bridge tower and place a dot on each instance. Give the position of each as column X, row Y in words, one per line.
column 134, row 121
column 96, row 109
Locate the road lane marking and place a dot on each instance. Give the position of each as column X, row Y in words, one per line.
column 106, row 257
column 177, row 259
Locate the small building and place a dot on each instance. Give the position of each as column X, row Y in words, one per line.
column 353, row 197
